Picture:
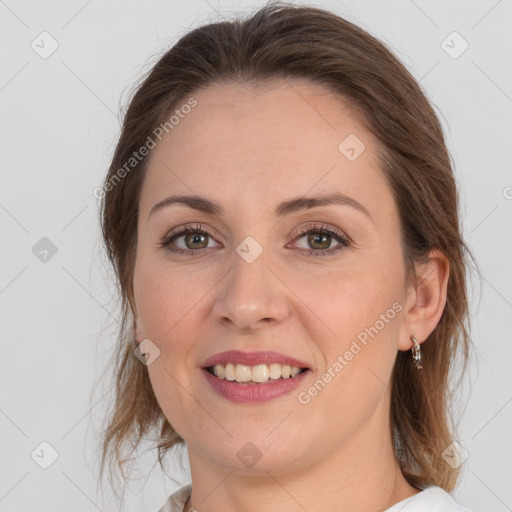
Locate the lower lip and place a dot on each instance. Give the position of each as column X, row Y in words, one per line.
column 253, row 393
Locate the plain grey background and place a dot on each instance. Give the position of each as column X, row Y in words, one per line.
column 66, row 69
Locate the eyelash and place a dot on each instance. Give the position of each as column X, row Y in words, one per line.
column 338, row 236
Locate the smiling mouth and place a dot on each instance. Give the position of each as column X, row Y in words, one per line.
column 259, row 374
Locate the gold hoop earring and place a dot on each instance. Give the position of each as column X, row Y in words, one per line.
column 416, row 353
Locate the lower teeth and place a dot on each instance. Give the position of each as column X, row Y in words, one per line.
column 251, row 382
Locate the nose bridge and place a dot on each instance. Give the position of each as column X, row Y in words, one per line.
column 251, row 295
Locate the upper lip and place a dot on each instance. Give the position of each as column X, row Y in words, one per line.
column 252, row 359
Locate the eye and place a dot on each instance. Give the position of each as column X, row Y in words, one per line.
column 319, row 238
column 188, row 239
column 192, row 239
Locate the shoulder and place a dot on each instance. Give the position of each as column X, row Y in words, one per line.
column 431, row 499
column 176, row 501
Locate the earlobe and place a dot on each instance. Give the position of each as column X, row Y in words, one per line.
column 425, row 303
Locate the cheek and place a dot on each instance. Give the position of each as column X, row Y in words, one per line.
column 360, row 309
column 165, row 296
column 167, row 302
column 352, row 298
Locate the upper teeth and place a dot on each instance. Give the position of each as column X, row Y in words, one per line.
column 258, row 373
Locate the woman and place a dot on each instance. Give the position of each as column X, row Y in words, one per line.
column 282, row 218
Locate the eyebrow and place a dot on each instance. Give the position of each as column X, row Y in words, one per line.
column 293, row 205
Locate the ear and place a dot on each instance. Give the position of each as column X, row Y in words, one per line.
column 425, row 301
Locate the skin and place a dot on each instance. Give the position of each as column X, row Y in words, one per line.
column 249, row 149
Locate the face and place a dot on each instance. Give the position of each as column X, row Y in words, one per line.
column 321, row 283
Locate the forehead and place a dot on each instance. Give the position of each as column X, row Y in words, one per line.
column 279, row 117
column 254, row 144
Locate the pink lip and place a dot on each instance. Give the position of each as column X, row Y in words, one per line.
column 251, row 359
column 253, row 393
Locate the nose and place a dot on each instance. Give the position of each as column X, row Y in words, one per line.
column 251, row 296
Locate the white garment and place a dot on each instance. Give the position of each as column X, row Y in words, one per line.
column 432, row 499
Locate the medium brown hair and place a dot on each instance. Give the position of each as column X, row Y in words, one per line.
column 282, row 41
